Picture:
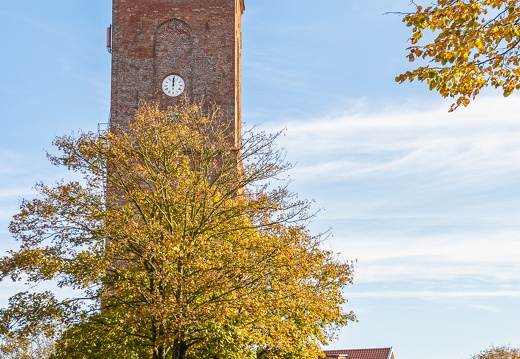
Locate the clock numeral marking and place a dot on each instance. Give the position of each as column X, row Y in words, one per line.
column 173, row 85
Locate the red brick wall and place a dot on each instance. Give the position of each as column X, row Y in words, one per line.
column 199, row 40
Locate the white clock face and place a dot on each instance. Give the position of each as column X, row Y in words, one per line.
column 173, row 85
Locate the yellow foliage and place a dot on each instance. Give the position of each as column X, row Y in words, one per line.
column 503, row 352
column 178, row 240
column 475, row 44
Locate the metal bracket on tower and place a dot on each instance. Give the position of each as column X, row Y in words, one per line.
column 109, row 39
column 102, row 128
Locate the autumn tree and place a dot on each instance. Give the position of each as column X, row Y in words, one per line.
column 178, row 243
column 502, row 352
column 465, row 45
column 34, row 346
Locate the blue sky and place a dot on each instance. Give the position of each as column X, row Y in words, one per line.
column 427, row 202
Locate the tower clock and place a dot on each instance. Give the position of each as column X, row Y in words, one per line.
column 166, row 49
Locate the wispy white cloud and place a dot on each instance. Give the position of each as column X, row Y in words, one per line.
column 454, row 247
column 9, row 162
column 486, row 308
column 417, row 194
column 15, row 192
column 482, row 138
column 436, row 294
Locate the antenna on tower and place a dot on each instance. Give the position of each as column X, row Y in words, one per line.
column 109, row 39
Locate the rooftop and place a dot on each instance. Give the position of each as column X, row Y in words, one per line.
column 377, row 353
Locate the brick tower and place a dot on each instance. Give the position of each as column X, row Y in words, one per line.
column 166, row 49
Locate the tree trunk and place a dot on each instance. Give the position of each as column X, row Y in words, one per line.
column 179, row 351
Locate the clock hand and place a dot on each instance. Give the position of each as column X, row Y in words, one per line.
column 173, row 81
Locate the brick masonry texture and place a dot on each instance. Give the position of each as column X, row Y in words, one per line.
column 199, row 40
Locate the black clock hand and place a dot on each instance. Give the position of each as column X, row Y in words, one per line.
column 173, row 81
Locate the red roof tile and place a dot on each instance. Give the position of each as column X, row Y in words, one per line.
column 379, row 353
